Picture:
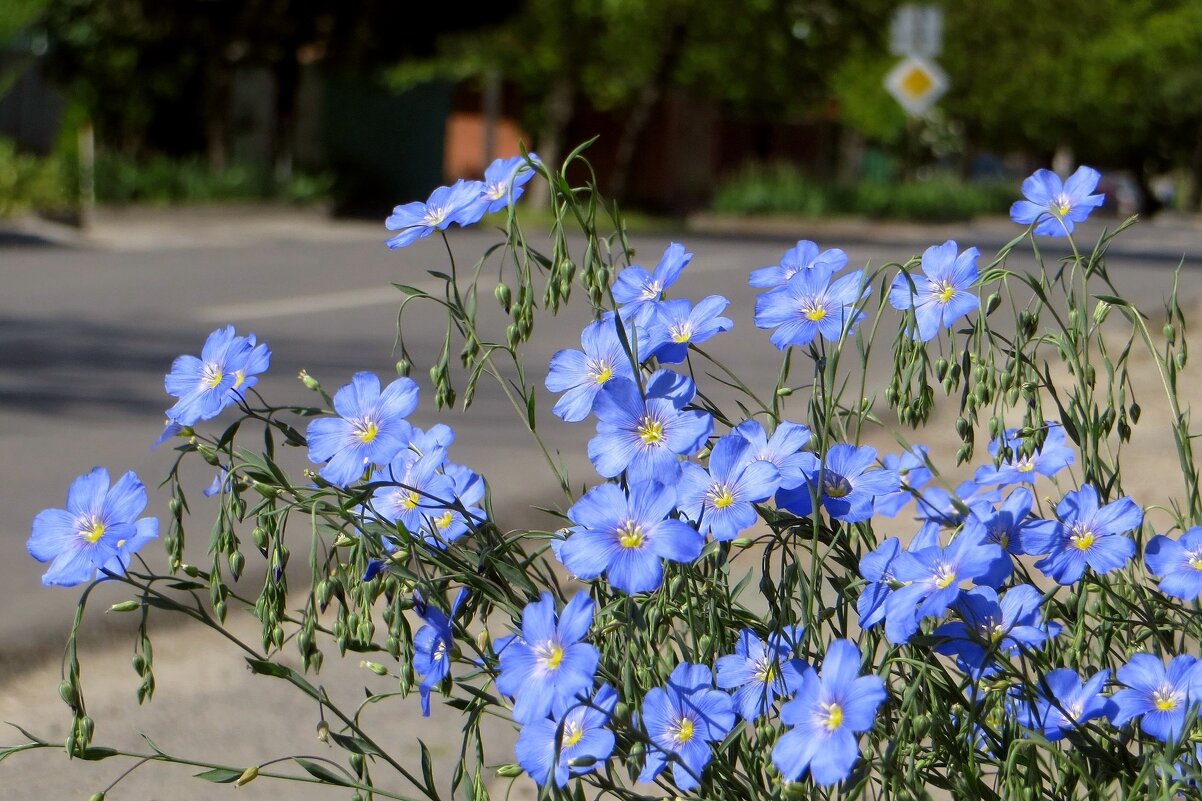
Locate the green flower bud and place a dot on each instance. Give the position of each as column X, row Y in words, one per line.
column 323, row 732
column 503, row 295
column 96, row 797
column 992, row 302
column 1170, row 333
column 125, row 606
column 248, row 776
column 375, row 667
column 404, row 367
column 510, row 771
column 1135, row 411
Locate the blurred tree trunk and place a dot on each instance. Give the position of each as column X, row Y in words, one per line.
column 1193, row 188
column 218, row 90
column 640, row 115
column 283, row 132
column 560, row 105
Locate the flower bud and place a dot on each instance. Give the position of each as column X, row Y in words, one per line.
column 375, row 667
column 124, row 606
column 1170, row 333
column 309, row 381
column 1135, row 411
column 504, row 297
column 248, row 776
column 510, row 771
column 323, row 732
column 96, row 797
column 992, row 302
column 1100, row 312
column 404, row 367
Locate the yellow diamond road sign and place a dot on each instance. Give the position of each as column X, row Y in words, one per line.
column 916, row 84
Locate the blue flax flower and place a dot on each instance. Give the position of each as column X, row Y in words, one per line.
column 876, row 568
column 1063, row 702
column 227, row 367
column 580, row 374
column 912, row 474
column 1055, row 455
column 546, row 667
column 720, row 500
column 1011, row 524
column 627, row 537
column 450, row 523
column 547, row 747
column 678, row 323
column 828, row 714
column 989, row 627
column 1085, row 535
column 1178, row 563
column 505, row 181
column 802, row 257
column 760, row 673
column 1056, row 206
column 1158, row 696
column 847, row 485
column 419, row 492
column 647, row 436
column 99, row 529
column 682, row 719
column 432, row 645
column 942, row 294
column 932, row 578
column 371, row 427
column 783, row 450
column 810, row 305
column 447, row 204
column 638, row 290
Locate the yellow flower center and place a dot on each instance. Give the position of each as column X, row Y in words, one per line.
column 946, row 292
column 684, row 731
column 834, row 716
column 435, row 215
column 1195, row 560
column 602, row 372
column 550, row 655
column 408, row 500
column 212, row 376
column 682, row 333
column 651, row 290
column 1025, row 466
column 814, row 313
column 651, row 431
column 835, row 486
column 1061, row 206
column 1082, row 537
column 720, row 496
column 366, row 431
column 630, row 535
column 239, row 378
column 572, row 734
column 444, row 521
column 1166, row 699
column 945, row 577
column 765, row 671
column 498, row 190
column 92, row 530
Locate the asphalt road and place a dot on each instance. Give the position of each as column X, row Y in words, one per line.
column 86, row 334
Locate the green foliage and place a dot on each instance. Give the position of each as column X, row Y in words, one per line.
column 160, row 179
column 30, row 183
column 785, row 189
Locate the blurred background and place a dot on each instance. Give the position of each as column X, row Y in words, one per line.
column 760, row 106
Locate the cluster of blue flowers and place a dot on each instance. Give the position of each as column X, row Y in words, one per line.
column 420, row 490
column 672, row 482
column 465, row 202
column 99, row 531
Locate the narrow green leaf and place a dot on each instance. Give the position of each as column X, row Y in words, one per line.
column 219, row 775
column 319, row 771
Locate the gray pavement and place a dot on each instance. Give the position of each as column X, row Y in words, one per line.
column 89, row 325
